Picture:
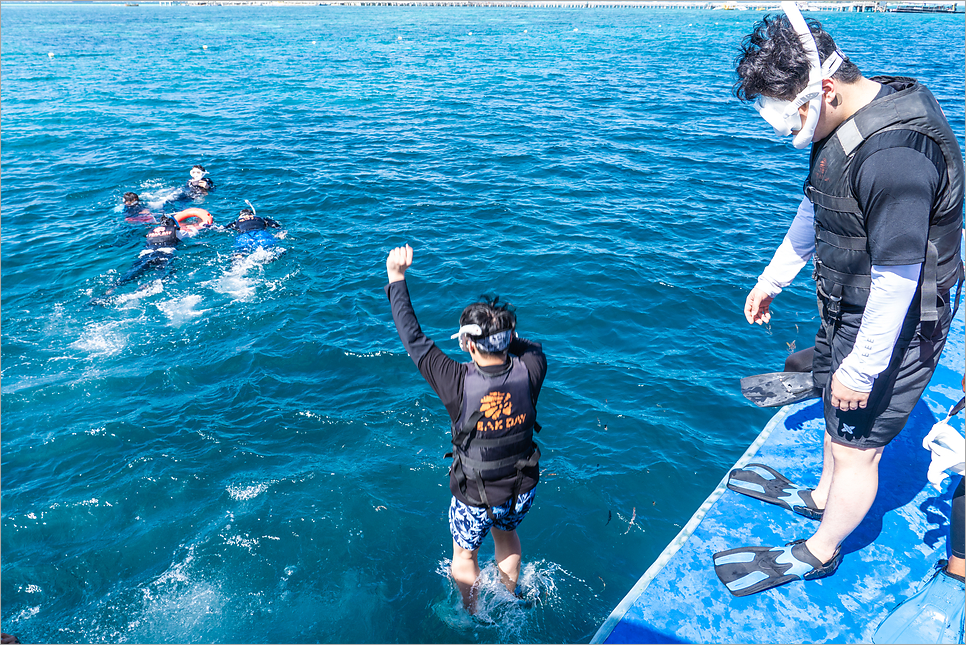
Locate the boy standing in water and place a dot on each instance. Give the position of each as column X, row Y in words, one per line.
column 882, row 217
column 491, row 402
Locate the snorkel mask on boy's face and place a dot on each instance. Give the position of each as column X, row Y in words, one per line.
column 784, row 116
column 494, row 343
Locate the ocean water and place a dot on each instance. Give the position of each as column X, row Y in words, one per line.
column 244, row 452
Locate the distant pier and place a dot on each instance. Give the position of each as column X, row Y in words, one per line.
column 876, row 6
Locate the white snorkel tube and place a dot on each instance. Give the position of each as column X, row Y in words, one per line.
column 783, row 116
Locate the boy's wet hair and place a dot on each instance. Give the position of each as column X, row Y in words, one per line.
column 198, row 166
column 245, row 213
column 131, row 197
column 772, row 61
column 491, row 315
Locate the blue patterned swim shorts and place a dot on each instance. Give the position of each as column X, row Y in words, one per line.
column 470, row 524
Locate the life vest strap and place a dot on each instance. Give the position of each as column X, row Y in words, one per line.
column 842, row 241
column 830, row 202
column 858, row 281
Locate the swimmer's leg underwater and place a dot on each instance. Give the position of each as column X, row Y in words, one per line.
column 157, row 263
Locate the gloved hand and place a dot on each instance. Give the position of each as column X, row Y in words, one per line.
column 948, row 449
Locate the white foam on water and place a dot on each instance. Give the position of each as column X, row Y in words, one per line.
column 101, row 339
column 242, row 493
column 181, row 310
column 500, row 615
column 130, row 300
column 236, row 281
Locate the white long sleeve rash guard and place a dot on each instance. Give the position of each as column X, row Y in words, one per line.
column 892, row 291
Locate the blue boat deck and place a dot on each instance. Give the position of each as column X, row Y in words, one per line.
column 679, row 598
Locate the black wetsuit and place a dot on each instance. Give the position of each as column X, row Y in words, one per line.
column 199, row 188
column 254, row 223
column 157, row 255
column 191, row 191
column 447, row 376
column 957, row 523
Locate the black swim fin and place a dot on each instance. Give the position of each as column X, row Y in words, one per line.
column 779, row 388
column 748, row 570
column 933, row 615
column 767, row 484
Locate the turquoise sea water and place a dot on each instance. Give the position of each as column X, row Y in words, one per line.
column 245, row 453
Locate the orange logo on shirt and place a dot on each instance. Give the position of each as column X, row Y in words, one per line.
column 497, row 407
column 496, row 403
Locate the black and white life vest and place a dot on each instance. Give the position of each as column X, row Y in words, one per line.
column 165, row 236
column 250, row 224
column 493, row 436
column 843, row 264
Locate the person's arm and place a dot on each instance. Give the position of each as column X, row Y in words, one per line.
column 272, row 223
column 533, row 357
column 442, row 373
column 792, row 254
column 233, row 226
column 893, row 288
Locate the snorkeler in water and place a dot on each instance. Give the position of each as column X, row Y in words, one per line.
column 252, row 233
column 196, row 188
column 135, row 212
column 199, row 185
column 156, row 257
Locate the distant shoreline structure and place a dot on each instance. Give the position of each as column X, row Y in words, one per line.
column 860, row 6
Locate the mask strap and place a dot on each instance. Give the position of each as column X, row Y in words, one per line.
column 804, row 136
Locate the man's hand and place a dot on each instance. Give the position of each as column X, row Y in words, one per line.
column 846, row 399
column 756, row 306
column 400, row 259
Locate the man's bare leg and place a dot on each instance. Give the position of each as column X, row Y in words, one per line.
column 508, row 554
column 466, row 569
column 852, row 490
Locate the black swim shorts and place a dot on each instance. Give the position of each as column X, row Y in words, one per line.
column 896, row 390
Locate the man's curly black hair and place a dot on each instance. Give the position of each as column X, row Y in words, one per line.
column 772, row 61
column 491, row 315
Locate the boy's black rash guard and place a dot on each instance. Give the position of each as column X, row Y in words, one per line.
column 442, row 373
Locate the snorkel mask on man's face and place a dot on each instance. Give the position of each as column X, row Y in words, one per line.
column 784, row 116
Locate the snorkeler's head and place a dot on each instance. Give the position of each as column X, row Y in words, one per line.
column 245, row 213
column 167, row 220
column 773, row 61
column 131, row 199
column 783, row 65
column 489, row 324
column 198, row 171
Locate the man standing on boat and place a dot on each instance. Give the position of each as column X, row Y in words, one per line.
column 491, row 402
column 882, row 217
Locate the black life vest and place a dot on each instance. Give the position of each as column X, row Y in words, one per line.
column 250, row 224
column 164, row 236
column 843, row 264
column 493, row 436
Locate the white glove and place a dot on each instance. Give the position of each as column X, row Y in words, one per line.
column 948, row 449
